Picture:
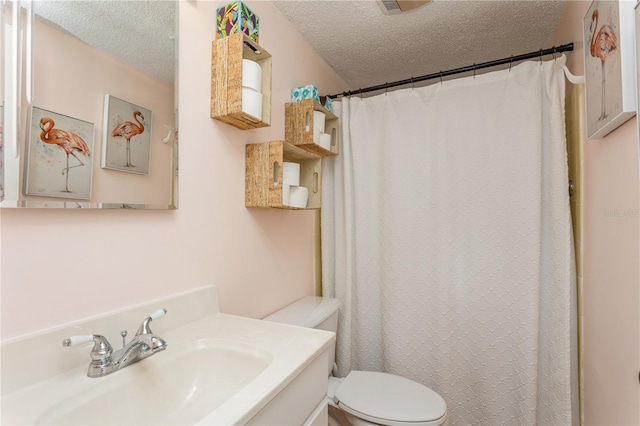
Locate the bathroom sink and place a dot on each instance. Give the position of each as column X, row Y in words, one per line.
column 179, row 388
column 217, row 369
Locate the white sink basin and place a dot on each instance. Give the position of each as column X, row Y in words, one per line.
column 181, row 387
column 217, row 369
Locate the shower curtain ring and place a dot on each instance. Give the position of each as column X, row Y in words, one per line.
column 554, row 53
column 540, row 56
column 510, row 63
column 412, row 84
column 474, row 70
column 386, row 87
column 361, row 93
column 440, row 76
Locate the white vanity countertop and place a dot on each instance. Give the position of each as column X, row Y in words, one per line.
column 284, row 351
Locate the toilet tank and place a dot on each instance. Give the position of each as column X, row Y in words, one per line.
column 320, row 313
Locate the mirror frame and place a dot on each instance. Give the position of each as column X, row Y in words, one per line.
column 637, row 26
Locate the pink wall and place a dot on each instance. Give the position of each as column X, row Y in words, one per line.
column 611, row 299
column 59, row 266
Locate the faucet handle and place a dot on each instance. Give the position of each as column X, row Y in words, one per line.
column 101, row 352
column 158, row 314
column 144, row 327
column 77, row 340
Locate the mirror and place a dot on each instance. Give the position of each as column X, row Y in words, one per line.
column 94, row 124
column 637, row 12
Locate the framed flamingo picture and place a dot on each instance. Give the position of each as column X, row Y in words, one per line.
column 126, row 142
column 609, row 64
column 59, row 156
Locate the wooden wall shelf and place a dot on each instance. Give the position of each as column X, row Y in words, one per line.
column 226, row 81
column 263, row 174
column 299, row 127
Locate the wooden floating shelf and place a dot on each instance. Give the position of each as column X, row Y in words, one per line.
column 226, row 81
column 299, row 127
column 264, row 170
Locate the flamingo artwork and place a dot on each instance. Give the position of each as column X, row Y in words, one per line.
column 68, row 141
column 604, row 43
column 127, row 130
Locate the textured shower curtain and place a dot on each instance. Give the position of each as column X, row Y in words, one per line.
column 446, row 235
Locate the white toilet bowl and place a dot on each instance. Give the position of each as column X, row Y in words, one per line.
column 365, row 397
column 372, row 398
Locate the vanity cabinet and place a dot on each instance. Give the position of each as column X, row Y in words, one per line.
column 264, row 174
column 301, row 402
column 227, row 56
column 299, row 127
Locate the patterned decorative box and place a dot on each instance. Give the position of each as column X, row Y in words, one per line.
column 305, row 92
column 236, row 17
column 325, row 101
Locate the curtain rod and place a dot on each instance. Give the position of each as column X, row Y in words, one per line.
column 540, row 53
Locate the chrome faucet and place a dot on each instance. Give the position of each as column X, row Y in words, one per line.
column 104, row 361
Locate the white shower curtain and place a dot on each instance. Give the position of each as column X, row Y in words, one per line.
column 446, row 235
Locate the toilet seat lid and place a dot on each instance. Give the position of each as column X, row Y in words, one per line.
column 389, row 399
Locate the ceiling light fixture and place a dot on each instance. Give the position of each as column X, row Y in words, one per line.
column 389, row 7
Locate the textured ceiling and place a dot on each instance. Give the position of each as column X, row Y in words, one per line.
column 139, row 32
column 363, row 45
column 366, row 47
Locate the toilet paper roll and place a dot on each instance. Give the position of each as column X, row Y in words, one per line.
column 298, row 196
column 251, row 75
column 286, row 190
column 325, row 141
column 252, row 102
column 318, row 120
column 291, row 173
column 316, row 135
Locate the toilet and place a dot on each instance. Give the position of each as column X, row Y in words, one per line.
column 364, row 397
